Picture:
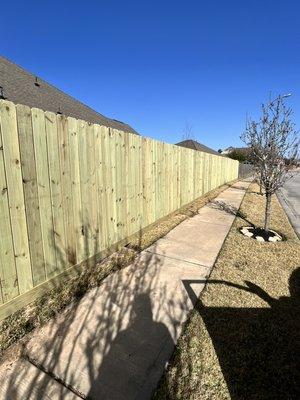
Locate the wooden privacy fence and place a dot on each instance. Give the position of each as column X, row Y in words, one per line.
column 71, row 190
column 245, row 170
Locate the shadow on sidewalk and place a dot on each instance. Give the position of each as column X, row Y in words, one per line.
column 230, row 209
column 98, row 348
column 141, row 340
column 258, row 348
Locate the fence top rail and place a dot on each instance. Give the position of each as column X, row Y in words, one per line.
column 184, row 150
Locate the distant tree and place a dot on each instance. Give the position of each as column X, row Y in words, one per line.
column 220, row 151
column 238, row 155
column 272, row 140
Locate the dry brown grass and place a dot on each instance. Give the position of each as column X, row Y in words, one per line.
column 18, row 325
column 236, row 345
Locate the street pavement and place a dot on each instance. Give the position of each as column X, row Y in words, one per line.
column 289, row 197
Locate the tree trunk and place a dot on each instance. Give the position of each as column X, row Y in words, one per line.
column 260, row 184
column 267, row 212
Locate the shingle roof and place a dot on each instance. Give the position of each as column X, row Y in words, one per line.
column 22, row 87
column 192, row 144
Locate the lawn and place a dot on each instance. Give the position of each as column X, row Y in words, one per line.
column 242, row 339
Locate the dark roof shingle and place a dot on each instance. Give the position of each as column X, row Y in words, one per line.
column 193, row 144
column 22, row 87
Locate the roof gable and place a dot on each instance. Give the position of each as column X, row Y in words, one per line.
column 193, row 144
column 22, row 87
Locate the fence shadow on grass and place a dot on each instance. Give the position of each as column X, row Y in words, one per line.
column 97, row 347
column 258, row 348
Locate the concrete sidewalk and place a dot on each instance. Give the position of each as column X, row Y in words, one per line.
column 116, row 341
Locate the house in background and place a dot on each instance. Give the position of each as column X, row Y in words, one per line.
column 22, row 87
column 244, row 150
column 243, row 155
column 194, row 145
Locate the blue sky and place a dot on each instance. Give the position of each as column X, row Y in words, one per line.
column 162, row 64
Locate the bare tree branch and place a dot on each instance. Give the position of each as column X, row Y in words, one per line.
column 274, row 144
column 188, row 132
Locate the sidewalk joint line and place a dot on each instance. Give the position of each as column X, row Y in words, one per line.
column 53, row 376
column 214, row 223
column 177, row 259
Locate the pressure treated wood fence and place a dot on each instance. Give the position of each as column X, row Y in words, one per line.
column 70, row 190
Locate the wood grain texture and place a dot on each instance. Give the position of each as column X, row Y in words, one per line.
column 31, row 196
column 66, row 188
column 8, row 272
column 56, row 190
column 44, row 196
column 12, row 161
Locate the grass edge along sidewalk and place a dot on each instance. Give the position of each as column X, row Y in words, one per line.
column 241, row 339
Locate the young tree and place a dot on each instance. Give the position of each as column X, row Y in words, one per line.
column 272, row 140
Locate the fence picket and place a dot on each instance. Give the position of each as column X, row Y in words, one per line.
column 8, row 272
column 56, row 190
column 43, row 185
column 66, row 189
column 31, row 194
column 12, row 161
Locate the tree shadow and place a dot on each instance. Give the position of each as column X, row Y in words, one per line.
column 258, row 348
column 112, row 343
column 238, row 187
column 230, row 209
